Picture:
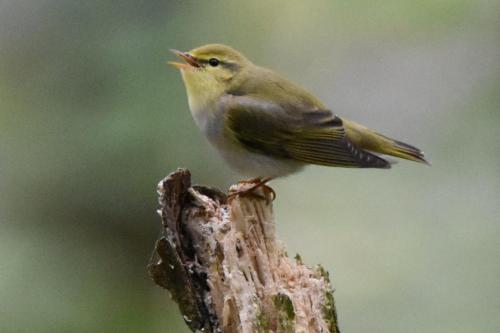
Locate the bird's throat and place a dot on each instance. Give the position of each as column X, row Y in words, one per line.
column 202, row 90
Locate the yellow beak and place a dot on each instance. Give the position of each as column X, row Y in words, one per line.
column 190, row 61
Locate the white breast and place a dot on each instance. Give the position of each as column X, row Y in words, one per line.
column 249, row 164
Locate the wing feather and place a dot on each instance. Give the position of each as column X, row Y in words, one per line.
column 309, row 136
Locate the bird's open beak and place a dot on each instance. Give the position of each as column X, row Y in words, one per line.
column 190, row 61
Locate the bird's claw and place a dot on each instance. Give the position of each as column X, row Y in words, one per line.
column 268, row 193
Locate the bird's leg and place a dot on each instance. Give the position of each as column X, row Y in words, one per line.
column 267, row 189
column 257, row 182
column 250, row 181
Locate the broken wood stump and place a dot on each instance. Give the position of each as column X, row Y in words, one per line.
column 223, row 266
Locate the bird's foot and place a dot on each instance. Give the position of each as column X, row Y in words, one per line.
column 250, row 181
column 254, row 184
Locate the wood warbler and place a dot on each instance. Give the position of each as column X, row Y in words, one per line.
column 266, row 126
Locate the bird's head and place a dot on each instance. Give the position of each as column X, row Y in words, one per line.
column 208, row 71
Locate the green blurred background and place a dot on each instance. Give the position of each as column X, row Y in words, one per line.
column 91, row 118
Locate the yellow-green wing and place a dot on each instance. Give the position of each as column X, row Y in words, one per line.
column 309, row 136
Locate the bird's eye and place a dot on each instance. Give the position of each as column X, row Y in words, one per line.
column 214, row 62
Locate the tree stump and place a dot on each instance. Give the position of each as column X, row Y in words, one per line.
column 222, row 264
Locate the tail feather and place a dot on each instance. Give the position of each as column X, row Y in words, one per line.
column 406, row 151
column 367, row 139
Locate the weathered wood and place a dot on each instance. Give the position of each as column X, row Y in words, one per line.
column 222, row 264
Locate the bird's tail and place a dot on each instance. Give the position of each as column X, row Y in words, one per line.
column 402, row 150
column 370, row 140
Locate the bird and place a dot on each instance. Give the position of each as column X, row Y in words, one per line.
column 266, row 126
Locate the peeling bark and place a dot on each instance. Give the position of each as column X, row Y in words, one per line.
column 223, row 266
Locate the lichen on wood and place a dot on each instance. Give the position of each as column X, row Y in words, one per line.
column 223, row 266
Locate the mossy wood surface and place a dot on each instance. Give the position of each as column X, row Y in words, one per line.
column 222, row 264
